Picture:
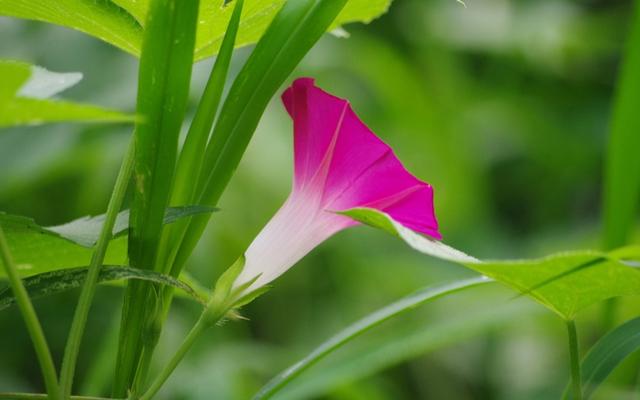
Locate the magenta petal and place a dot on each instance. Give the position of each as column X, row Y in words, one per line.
column 341, row 160
column 339, row 164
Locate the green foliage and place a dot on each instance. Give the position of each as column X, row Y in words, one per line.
column 381, row 351
column 565, row 282
column 607, row 354
column 85, row 231
column 54, row 282
column 25, row 93
column 121, row 22
column 358, row 328
column 622, row 167
column 163, row 88
column 39, row 249
column 192, row 153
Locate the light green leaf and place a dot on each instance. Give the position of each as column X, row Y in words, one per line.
column 49, row 283
column 24, row 97
column 85, row 231
column 37, row 249
column 358, row 328
column 120, row 22
column 607, row 354
column 564, row 282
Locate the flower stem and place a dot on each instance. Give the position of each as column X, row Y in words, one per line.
column 31, row 320
column 576, row 375
column 89, row 288
column 204, row 321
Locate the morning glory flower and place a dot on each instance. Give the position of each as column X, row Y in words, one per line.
column 339, row 164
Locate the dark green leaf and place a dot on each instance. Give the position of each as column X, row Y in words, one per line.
column 622, row 166
column 54, row 282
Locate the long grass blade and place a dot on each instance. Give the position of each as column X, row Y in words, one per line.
column 622, row 165
column 611, row 350
column 358, row 328
column 163, row 87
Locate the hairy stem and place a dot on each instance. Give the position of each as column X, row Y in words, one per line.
column 207, row 318
column 31, row 320
column 89, row 288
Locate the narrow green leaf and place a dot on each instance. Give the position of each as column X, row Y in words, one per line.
column 622, row 165
column 564, row 282
column 379, row 351
column 163, row 88
column 296, row 28
column 54, row 282
column 192, row 154
column 358, row 328
column 611, row 350
column 25, row 92
column 120, row 22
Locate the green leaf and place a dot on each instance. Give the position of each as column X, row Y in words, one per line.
column 189, row 164
column 49, row 283
column 622, row 165
column 380, row 351
column 611, row 350
column 565, row 282
column 85, row 231
column 24, row 97
column 192, row 154
column 39, row 249
column 120, row 22
column 358, row 328
column 163, row 88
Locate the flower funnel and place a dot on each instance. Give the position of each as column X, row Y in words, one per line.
column 339, row 165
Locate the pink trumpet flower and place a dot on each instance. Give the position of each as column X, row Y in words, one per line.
column 339, row 165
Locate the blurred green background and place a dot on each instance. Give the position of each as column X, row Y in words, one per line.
column 503, row 106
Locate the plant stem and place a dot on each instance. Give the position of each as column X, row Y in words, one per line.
column 576, row 375
column 204, row 321
column 31, row 320
column 89, row 288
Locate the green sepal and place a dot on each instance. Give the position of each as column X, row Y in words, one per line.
column 227, row 299
column 223, row 287
column 251, row 296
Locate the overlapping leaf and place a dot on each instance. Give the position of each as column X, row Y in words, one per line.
column 53, row 282
column 37, row 249
column 25, row 92
column 564, row 282
column 121, row 22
